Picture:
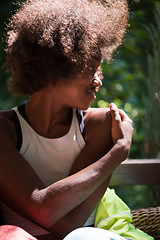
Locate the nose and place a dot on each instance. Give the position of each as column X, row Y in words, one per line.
column 96, row 82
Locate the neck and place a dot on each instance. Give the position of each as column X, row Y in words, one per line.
column 47, row 115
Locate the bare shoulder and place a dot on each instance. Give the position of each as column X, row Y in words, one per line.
column 97, row 135
column 97, row 115
column 98, row 126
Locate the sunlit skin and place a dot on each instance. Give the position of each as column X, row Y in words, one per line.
column 10, row 232
column 103, row 130
column 53, row 54
column 79, row 94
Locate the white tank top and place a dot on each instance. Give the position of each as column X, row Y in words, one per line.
column 51, row 159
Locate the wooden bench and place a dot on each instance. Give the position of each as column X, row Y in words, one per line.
column 141, row 172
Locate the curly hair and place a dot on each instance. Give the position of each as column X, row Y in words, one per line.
column 49, row 41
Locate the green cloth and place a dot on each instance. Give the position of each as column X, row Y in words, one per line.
column 114, row 215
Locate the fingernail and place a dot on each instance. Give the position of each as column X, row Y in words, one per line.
column 113, row 105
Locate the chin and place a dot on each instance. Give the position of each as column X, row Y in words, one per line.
column 84, row 107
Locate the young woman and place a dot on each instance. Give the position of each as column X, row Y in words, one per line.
column 57, row 154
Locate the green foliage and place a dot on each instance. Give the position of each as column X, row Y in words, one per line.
column 7, row 8
column 152, row 102
column 131, row 80
column 128, row 79
column 139, row 196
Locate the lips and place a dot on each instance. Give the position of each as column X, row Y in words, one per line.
column 92, row 92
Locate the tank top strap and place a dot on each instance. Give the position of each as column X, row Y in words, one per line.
column 21, row 110
column 18, row 130
column 79, row 114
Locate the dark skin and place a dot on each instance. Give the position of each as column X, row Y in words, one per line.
column 108, row 134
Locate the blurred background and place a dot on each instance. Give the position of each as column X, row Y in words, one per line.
column 131, row 81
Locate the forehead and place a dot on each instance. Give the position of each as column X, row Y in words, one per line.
column 93, row 66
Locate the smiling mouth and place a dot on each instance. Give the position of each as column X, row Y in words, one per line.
column 93, row 91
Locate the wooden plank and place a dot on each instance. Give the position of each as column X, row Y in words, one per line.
column 137, row 172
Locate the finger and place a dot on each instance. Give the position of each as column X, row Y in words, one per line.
column 114, row 112
column 123, row 115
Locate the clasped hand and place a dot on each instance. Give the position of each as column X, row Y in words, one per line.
column 122, row 127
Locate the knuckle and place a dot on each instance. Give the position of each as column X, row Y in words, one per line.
column 117, row 119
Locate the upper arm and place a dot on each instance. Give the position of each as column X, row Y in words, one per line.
column 98, row 129
column 97, row 136
column 17, row 179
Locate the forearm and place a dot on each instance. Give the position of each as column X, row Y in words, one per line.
column 74, row 191
column 47, row 205
column 65, row 195
column 78, row 216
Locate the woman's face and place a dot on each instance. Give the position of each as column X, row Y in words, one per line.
column 80, row 92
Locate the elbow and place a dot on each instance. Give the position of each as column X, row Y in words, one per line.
column 43, row 218
column 42, row 212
